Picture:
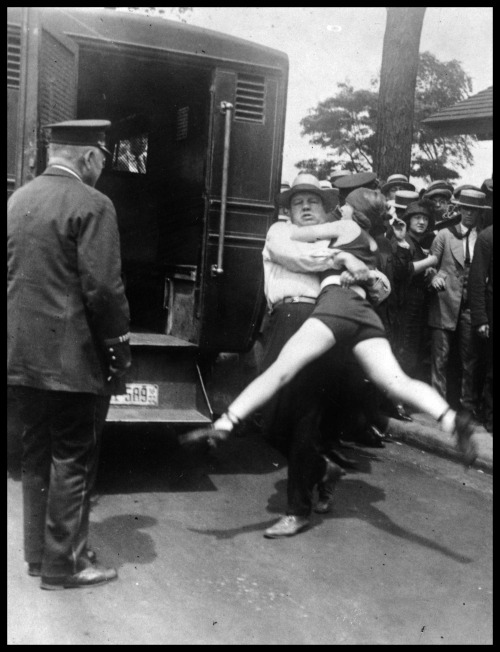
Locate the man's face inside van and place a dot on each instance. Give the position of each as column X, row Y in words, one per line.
column 307, row 208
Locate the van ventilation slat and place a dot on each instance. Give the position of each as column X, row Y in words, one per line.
column 13, row 56
column 57, row 92
column 182, row 123
column 250, row 98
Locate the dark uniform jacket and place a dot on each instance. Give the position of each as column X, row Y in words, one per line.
column 481, row 280
column 64, row 289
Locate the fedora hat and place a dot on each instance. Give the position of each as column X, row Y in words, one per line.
column 403, row 198
column 400, row 180
column 306, row 182
column 80, row 132
column 416, row 208
column 358, row 180
column 471, row 199
column 439, row 188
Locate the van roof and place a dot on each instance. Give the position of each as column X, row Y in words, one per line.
column 120, row 28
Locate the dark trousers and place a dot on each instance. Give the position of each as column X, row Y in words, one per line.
column 61, row 441
column 292, row 419
column 469, row 358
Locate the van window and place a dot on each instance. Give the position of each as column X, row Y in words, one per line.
column 131, row 154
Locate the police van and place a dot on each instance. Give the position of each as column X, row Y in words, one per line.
column 197, row 137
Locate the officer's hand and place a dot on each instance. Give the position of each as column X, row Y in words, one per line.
column 119, row 359
column 346, row 279
column 483, row 331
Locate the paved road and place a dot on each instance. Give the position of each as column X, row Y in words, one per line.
column 404, row 558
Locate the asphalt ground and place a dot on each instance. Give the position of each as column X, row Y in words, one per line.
column 403, row 558
column 423, row 433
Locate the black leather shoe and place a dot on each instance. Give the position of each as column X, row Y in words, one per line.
column 91, row 576
column 371, row 437
column 326, row 487
column 35, row 569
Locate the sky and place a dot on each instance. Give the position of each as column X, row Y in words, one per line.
column 329, row 45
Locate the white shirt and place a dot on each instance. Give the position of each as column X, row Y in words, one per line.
column 472, row 239
column 291, row 267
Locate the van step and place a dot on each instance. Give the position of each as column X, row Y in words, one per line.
column 189, row 416
column 164, row 384
column 158, row 339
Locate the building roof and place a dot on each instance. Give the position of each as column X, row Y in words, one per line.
column 473, row 115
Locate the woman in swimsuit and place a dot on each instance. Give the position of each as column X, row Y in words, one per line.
column 343, row 314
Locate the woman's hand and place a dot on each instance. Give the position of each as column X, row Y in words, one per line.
column 399, row 228
column 359, row 271
column 438, row 283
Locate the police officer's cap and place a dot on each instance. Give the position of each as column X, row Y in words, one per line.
column 353, row 181
column 81, row 133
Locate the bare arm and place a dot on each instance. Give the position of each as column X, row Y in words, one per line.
column 420, row 266
column 328, row 231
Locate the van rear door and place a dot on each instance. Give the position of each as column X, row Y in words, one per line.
column 231, row 298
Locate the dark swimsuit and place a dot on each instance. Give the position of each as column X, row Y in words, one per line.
column 351, row 318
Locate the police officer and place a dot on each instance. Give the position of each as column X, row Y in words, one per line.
column 68, row 332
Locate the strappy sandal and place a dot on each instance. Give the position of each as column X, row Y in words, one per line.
column 464, row 429
column 210, row 434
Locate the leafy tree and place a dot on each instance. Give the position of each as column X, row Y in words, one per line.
column 345, row 125
column 439, row 84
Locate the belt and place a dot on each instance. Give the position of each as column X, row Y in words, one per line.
column 294, row 300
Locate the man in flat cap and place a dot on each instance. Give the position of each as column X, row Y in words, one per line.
column 68, row 331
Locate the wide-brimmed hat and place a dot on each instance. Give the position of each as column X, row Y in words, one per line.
column 305, row 182
column 416, row 208
column 439, row 188
column 358, row 180
column 471, row 199
column 81, row 133
column 403, row 198
column 400, row 180
column 466, row 186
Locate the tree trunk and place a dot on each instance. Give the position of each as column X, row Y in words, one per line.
column 396, row 101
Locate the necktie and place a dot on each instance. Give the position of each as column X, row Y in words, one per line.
column 467, row 251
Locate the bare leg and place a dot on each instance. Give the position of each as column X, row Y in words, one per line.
column 381, row 367
column 311, row 340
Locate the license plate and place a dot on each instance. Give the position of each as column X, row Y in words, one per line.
column 137, row 394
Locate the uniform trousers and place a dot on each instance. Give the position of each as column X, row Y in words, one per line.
column 469, row 358
column 61, row 442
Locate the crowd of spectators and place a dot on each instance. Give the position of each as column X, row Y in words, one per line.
column 429, row 316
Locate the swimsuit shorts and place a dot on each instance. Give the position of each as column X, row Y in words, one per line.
column 351, row 318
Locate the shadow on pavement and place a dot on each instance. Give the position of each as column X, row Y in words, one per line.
column 120, row 540
column 150, row 459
